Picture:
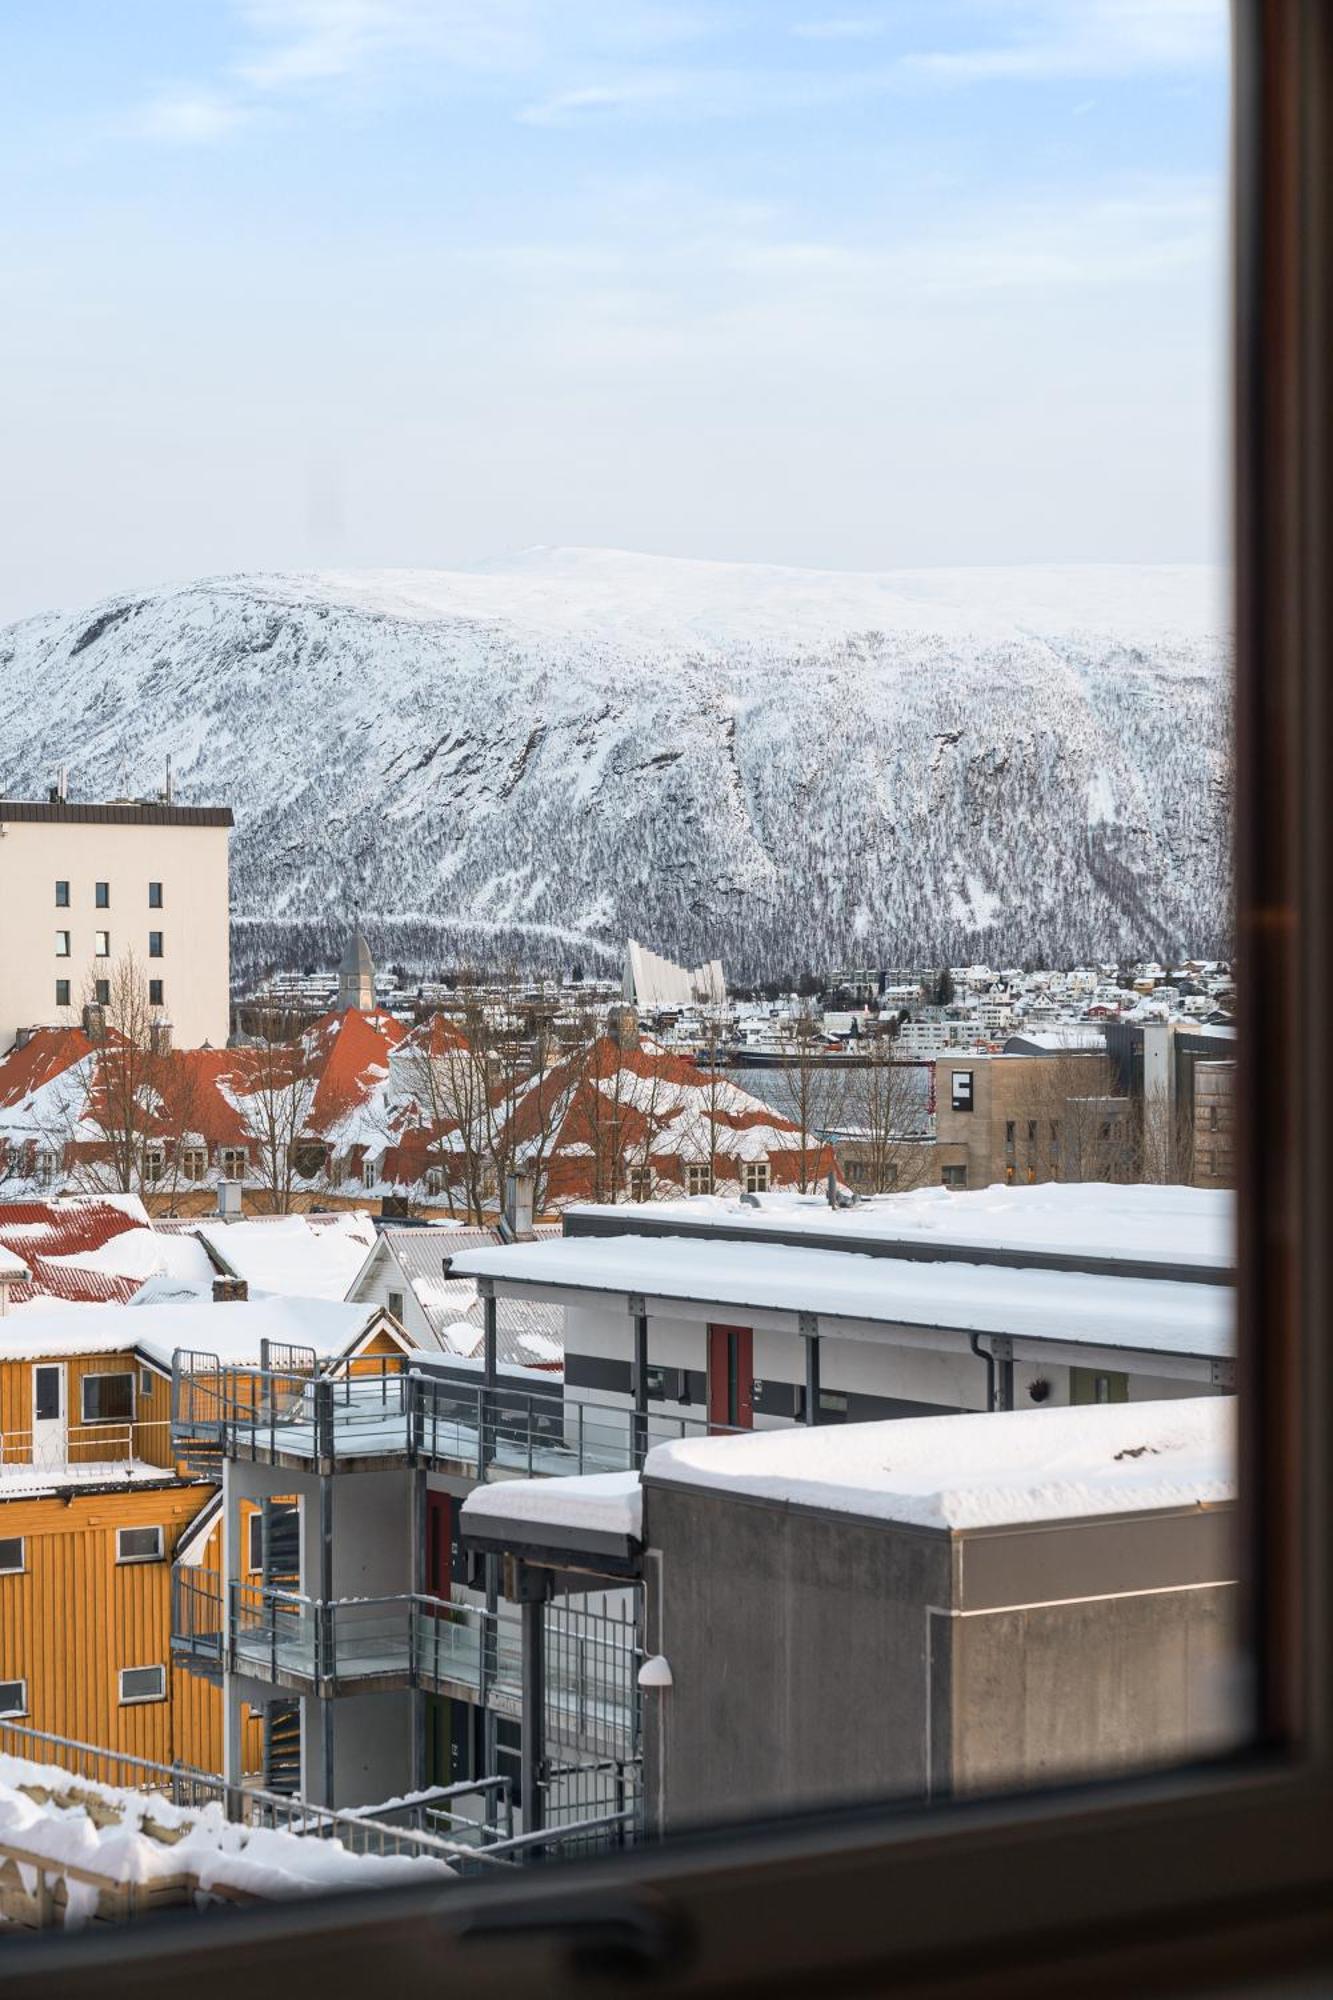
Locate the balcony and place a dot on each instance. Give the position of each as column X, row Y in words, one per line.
column 370, row 1421
column 85, row 1455
column 350, row 1645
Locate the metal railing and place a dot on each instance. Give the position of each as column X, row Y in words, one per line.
column 81, row 1451
column 181, row 1785
column 419, row 1641
column 412, row 1418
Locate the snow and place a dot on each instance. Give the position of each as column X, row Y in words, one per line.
column 30, row 1480
column 464, row 710
column 124, row 1836
column 1176, row 1225
column 232, row 1331
column 291, row 1255
column 609, row 1503
column 1143, row 1315
column 989, row 1470
column 11, row 1266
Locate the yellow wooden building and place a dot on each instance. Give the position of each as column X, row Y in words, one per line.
column 93, row 1505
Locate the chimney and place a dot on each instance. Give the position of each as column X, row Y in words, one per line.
column 229, row 1197
column 516, row 1223
column 230, row 1291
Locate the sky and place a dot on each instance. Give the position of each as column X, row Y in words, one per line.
column 852, row 284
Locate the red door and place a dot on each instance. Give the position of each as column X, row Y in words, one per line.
column 439, row 1543
column 731, row 1377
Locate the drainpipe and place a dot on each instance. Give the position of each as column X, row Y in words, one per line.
column 984, row 1354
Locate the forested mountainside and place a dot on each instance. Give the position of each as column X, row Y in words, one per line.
column 529, row 760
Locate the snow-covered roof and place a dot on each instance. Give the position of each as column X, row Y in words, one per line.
column 1135, row 1222
column 299, row 1256
column 777, row 1281
column 232, row 1331
column 12, row 1268
column 529, row 1334
column 608, row 1503
column 975, row 1471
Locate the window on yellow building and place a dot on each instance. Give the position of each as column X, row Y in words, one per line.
column 108, row 1399
column 11, row 1555
column 13, row 1697
column 142, row 1684
column 140, row 1545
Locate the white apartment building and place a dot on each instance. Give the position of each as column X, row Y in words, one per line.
column 86, row 887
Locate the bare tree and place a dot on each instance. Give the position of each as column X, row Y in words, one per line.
column 883, row 1120
column 277, row 1080
column 112, row 1113
column 810, row 1092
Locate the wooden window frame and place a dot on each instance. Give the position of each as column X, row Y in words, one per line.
column 149, row 1528
column 142, row 1700
column 108, row 1375
column 1211, row 1878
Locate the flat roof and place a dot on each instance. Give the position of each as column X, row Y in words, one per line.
column 123, row 812
column 1066, row 1223
column 976, row 1471
column 1151, row 1315
column 231, row 1330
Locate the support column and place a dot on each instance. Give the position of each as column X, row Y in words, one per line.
column 809, row 1327
column 639, row 1313
column 419, row 1580
column 533, row 1590
column 489, row 1374
column 233, row 1744
column 1003, row 1349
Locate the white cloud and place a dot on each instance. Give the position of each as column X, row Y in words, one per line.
column 1055, row 39
column 189, row 117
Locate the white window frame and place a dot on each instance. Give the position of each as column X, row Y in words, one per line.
column 21, row 1567
column 108, row 1375
column 400, row 1308
column 696, row 1170
column 158, row 1555
column 228, row 1157
column 101, row 944
column 63, row 939
column 20, row 1683
column 755, row 1176
column 140, row 1700
column 194, row 1157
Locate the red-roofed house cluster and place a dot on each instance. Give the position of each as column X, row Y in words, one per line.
column 361, row 1103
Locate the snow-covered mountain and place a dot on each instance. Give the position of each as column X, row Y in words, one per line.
column 533, row 758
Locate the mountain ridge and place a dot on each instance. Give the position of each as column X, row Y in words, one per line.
column 533, row 757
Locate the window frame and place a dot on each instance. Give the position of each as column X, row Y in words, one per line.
column 141, row 1700
column 62, row 895
column 101, row 895
column 20, row 1568
column 149, row 1528
column 1203, row 1877
column 11, row 1714
column 63, row 993
column 108, row 1375
column 155, row 896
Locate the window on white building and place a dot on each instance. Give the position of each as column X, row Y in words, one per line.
column 698, row 1179
column 754, row 1176
column 62, row 944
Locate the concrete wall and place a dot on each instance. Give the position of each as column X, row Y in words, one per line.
column 817, row 1658
column 798, row 1655
column 1059, row 1691
column 372, row 1747
column 372, row 1534
column 191, row 864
